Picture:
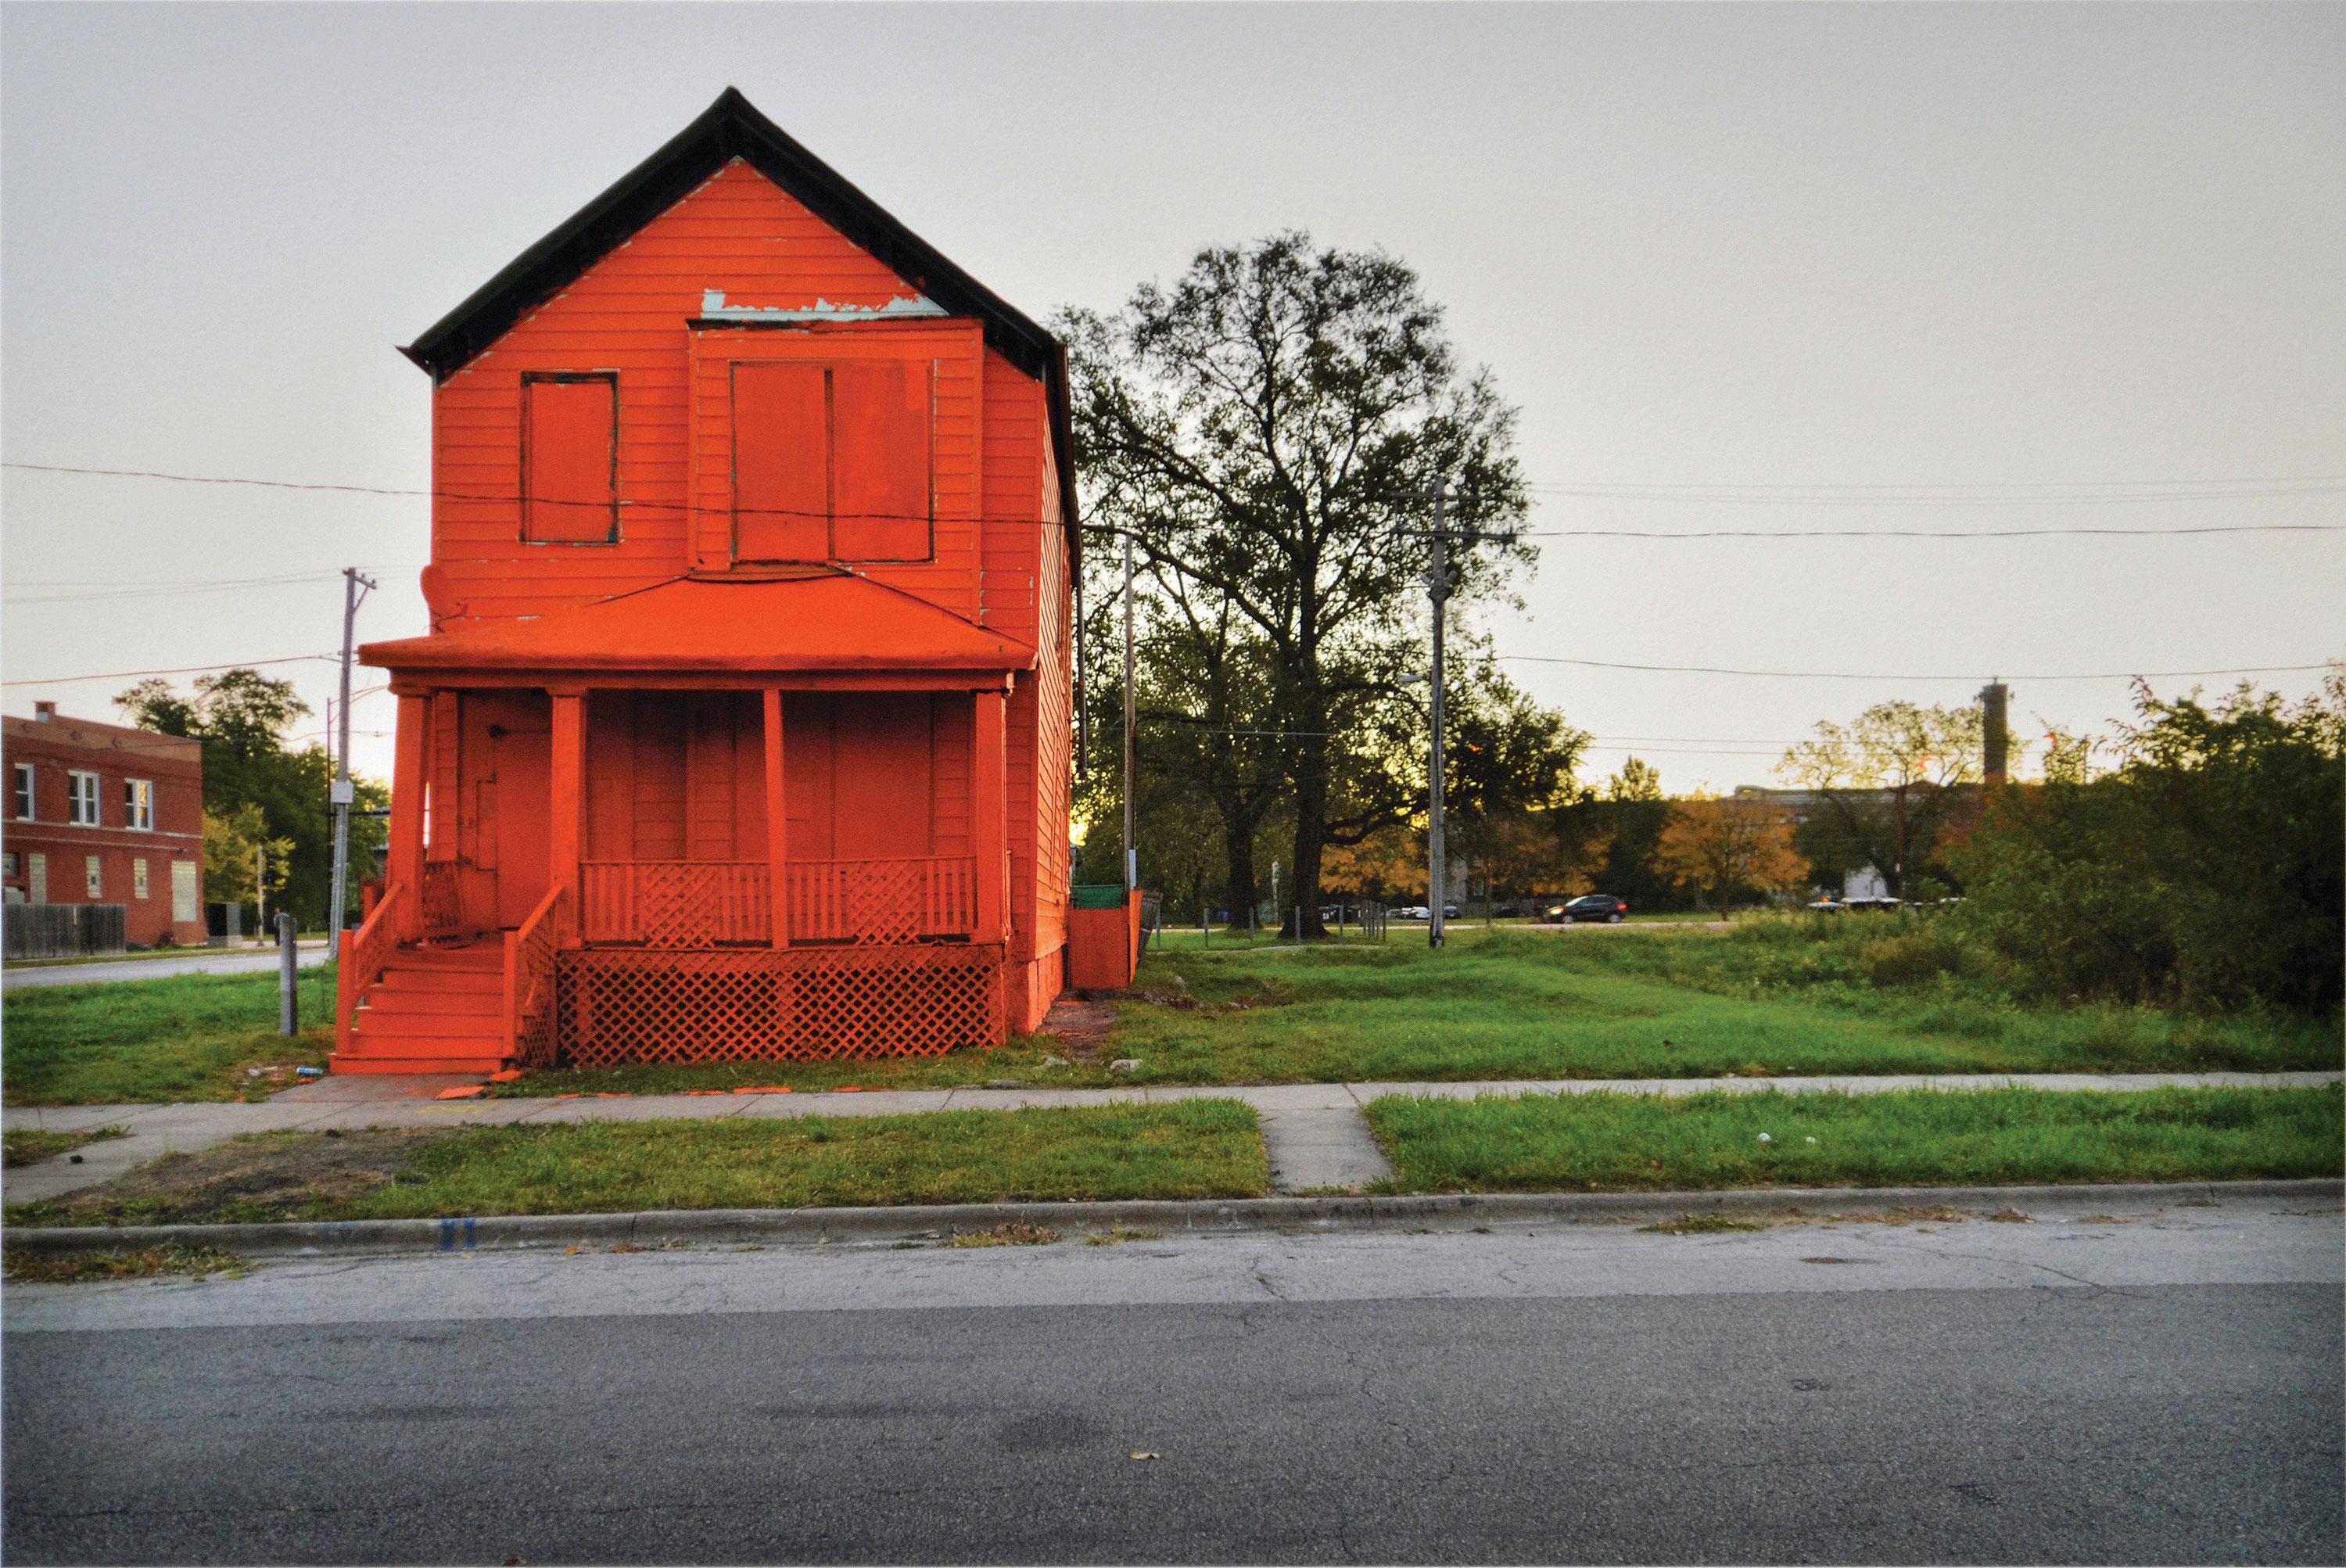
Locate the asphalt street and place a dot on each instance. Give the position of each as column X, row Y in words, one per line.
column 197, row 961
column 2146, row 1386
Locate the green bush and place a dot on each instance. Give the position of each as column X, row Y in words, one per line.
column 2204, row 871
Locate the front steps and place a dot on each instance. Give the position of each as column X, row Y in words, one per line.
column 438, row 1009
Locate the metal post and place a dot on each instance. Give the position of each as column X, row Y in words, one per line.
column 1437, row 851
column 1131, row 850
column 343, row 794
column 289, row 979
column 261, row 888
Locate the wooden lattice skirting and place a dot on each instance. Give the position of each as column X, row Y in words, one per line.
column 796, row 1004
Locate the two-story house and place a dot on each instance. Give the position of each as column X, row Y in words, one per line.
column 742, row 727
column 105, row 814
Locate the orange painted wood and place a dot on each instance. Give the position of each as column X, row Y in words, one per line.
column 986, row 836
column 406, row 861
column 778, row 815
column 567, row 804
column 781, row 462
column 570, row 459
column 879, row 439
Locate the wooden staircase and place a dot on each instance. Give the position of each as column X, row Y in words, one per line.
column 439, row 1008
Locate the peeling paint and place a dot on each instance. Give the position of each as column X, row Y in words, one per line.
column 713, row 308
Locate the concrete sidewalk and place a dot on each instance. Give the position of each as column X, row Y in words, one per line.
column 1314, row 1132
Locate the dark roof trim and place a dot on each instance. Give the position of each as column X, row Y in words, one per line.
column 733, row 127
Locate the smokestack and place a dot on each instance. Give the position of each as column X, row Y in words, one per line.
column 45, row 712
column 1994, row 735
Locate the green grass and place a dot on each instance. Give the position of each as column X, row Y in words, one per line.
column 1020, row 1060
column 28, row 1146
column 1194, row 1149
column 183, row 1037
column 1668, row 1003
column 1634, row 1143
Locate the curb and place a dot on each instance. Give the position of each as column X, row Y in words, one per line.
column 820, row 1226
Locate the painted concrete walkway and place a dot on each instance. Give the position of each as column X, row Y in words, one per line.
column 1315, row 1136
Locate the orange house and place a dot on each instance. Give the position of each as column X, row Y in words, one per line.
column 741, row 729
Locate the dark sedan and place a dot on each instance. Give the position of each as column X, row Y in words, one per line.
column 1589, row 907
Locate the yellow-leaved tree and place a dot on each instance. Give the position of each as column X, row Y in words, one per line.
column 1722, row 846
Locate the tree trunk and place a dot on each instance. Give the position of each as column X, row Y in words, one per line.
column 1237, row 843
column 1310, row 838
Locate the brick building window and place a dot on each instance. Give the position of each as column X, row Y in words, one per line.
column 24, row 771
column 92, row 871
column 139, row 877
column 138, row 805
column 81, row 798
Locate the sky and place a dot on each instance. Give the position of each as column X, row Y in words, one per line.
column 1754, row 267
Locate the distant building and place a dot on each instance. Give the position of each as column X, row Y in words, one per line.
column 1864, row 881
column 105, row 814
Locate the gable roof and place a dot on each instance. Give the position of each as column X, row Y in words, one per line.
column 728, row 128
column 722, row 624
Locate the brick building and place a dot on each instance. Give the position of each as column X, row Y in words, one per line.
column 105, row 814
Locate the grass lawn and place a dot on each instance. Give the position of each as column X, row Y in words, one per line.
column 1616, row 1143
column 1194, row 1149
column 26, row 1145
column 184, row 1037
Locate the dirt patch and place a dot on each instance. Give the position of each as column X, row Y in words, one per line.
column 267, row 1177
column 1083, row 1029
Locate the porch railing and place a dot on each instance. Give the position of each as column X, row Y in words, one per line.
column 529, row 981
column 675, row 904
column 881, row 900
column 442, row 905
column 365, row 953
column 693, row 904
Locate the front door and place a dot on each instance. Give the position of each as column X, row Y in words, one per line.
column 524, row 774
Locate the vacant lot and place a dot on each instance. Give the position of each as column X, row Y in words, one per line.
column 1614, row 1142
column 188, row 1037
column 1195, row 1149
column 1768, row 997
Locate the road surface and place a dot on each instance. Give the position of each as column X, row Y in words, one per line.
column 197, row 961
column 2144, row 1388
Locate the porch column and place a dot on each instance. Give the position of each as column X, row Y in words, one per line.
column 567, row 804
column 778, row 823
column 989, row 808
column 409, row 769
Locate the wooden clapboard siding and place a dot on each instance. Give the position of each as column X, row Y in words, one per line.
column 740, row 233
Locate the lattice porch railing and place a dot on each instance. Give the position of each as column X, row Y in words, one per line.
column 691, row 905
column 675, row 904
column 881, row 901
column 621, row 1004
column 442, row 909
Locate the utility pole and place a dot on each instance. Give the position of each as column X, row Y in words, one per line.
column 1131, row 850
column 1439, row 581
column 354, row 589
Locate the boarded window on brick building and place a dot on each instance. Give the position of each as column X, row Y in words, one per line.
column 570, row 469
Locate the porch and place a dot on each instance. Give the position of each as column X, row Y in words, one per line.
column 600, row 874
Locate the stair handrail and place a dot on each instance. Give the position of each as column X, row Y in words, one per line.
column 529, row 979
column 365, row 952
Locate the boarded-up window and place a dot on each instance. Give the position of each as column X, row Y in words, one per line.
column 781, row 462
column 880, row 455
column 569, row 459
column 183, row 891
column 831, row 463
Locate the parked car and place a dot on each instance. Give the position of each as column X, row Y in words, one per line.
column 1589, row 907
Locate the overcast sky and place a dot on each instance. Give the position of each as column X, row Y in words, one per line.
column 1960, row 248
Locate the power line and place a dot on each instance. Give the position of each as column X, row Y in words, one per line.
column 163, row 591
column 1876, row 675
column 183, row 670
column 2325, row 486
column 2105, row 492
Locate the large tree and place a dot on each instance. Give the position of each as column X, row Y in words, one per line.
column 242, row 716
column 1256, row 430
column 1884, row 787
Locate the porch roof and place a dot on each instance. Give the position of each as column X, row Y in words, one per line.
column 832, row 623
